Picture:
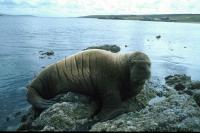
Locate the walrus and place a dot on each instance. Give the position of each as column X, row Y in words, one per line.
column 110, row 78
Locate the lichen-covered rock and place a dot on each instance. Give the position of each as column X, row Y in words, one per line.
column 158, row 107
column 174, row 113
column 63, row 116
column 168, row 110
column 72, row 111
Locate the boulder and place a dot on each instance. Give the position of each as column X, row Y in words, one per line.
column 112, row 48
column 158, row 107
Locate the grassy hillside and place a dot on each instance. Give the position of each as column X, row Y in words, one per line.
column 161, row 17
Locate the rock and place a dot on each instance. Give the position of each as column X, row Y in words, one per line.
column 195, row 85
column 47, row 53
column 158, row 37
column 72, row 112
column 17, row 113
column 184, row 84
column 179, row 87
column 63, row 116
column 7, row 118
column 112, row 48
column 196, row 96
column 158, row 107
column 178, row 81
column 27, row 119
column 175, row 113
column 141, row 100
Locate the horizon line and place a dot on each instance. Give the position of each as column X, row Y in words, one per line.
column 2, row 14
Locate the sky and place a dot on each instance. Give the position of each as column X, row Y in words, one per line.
column 74, row 8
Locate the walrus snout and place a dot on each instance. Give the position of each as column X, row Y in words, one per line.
column 140, row 73
column 147, row 74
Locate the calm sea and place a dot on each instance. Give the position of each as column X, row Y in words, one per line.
column 21, row 39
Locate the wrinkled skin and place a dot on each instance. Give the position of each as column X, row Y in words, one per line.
column 110, row 78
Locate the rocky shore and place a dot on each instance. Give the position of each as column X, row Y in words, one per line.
column 189, row 18
column 173, row 106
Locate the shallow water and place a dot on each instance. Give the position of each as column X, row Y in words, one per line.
column 21, row 39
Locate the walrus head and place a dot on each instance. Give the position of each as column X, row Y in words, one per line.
column 139, row 66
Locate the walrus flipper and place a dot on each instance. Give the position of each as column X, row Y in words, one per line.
column 111, row 108
column 111, row 105
column 37, row 101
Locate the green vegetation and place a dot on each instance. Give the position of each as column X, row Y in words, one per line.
column 160, row 17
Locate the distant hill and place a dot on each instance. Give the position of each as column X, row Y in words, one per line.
column 160, row 17
column 17, row 15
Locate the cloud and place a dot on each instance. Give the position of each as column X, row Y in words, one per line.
column 89, row 7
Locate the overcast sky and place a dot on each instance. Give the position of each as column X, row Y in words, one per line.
column 70, row 8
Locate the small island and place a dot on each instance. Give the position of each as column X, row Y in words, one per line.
column 190, row 18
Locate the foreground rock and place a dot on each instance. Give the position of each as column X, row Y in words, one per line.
column 184, row 84
column 156, row 108
column 174, row 113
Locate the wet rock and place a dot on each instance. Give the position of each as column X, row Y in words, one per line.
column 158, row 37
column 47, row 53
column 7, row 118
column 178, row 81
column 27, row 119
column 112, row 48
column 17, row 114
column 183, row 84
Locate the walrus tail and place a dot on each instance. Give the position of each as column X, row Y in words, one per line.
column 37, row 101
